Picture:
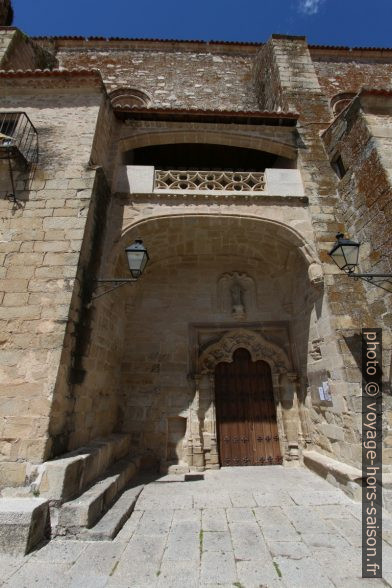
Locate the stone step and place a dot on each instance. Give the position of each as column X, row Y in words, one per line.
column 83, row 512
column 22, row 524
column 66, row 477
column 111, row 523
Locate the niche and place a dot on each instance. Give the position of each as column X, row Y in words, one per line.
column 176, row 428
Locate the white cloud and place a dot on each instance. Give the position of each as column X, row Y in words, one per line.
column 310, row 6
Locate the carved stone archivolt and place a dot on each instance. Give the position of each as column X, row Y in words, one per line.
column 236, row 294
column 258, row 347
column 202, row 429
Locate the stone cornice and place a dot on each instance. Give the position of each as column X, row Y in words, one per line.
column 223, row 197
column 34, row 80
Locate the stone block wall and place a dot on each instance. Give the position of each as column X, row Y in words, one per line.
column 350, row 75
column 333, row 425
column 212, row 77
column 362, row 136
column 42, row 236
column 17, row 51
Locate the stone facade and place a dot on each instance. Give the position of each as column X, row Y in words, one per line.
column 140, row 361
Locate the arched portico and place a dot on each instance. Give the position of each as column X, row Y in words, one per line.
column 209, row 275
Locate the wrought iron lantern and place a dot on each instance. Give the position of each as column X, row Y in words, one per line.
column 345, row 253
column 137, row 258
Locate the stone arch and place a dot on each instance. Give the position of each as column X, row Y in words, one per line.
column 340, row 101
column 283, row 383
column 259, row 141
column 258, row 347
column 133, row 97
column 281, row 231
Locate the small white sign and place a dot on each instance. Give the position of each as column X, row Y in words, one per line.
column 327, row 394
column 321, row 393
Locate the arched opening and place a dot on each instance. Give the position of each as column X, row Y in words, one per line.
column 204, row 156
column 208, row 275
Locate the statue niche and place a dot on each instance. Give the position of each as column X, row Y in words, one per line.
column 236, row 294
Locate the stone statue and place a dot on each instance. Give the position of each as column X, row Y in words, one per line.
column 237, row 300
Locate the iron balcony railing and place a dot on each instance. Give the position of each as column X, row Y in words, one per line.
column 229, row 181
column 18, row 137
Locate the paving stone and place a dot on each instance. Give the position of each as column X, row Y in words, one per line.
column 305, row 520
column 277, row 498
column 59, row 551
column 387, row 558
column 332, row 511
column 172, row 501
column 87, row 580
column 274, row 524
column 351, row 529
column 240, row 515
column 242, row 499
column 9, row 565
column 328, row 540
column 218, row 499
column 358, row 581
column 218, row 568
column 187, row 515
column 292, row 549
column 40, row 574
column 217, row 541
column 98, row 559
column 142, row 548
column 183, row 573
column 256, row 573
column 130, row 526
column 183, row 542
column 134, row 573
column 161, row 546
column 155, row 522
column 248, row 541
column 338, row 561
column 214, row 519
column 317, row 497
column 303, row 573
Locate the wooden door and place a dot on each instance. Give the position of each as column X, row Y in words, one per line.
column 245, row 411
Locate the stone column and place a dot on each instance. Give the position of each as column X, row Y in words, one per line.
column 279, row 413
column 197, row 446
column 214, row 457
column 296, row 436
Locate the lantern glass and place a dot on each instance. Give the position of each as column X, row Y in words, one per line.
column 345, row 253
column 137, row 258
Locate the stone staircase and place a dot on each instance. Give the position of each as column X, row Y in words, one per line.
column 113, row 494
column 88, row 493
column 93, row 491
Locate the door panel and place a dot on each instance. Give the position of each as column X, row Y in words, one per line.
column 246, row 414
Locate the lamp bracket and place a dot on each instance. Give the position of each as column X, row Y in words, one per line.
column 117, row 283
column 375, row 279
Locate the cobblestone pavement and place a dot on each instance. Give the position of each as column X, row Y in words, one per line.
column 244, row 527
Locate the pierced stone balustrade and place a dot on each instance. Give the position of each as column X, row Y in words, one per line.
column 229, row 181
column 145, row 179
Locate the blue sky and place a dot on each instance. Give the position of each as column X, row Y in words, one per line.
column 334, row 22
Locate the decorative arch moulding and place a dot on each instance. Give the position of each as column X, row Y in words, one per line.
column 260, row 349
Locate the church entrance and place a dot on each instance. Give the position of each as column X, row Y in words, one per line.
column 245, row 411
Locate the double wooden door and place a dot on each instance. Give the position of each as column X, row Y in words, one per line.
column 245, row 411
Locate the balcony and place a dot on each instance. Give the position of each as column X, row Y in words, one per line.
column 145, row 179
column 208, row 181
column 18, row 138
